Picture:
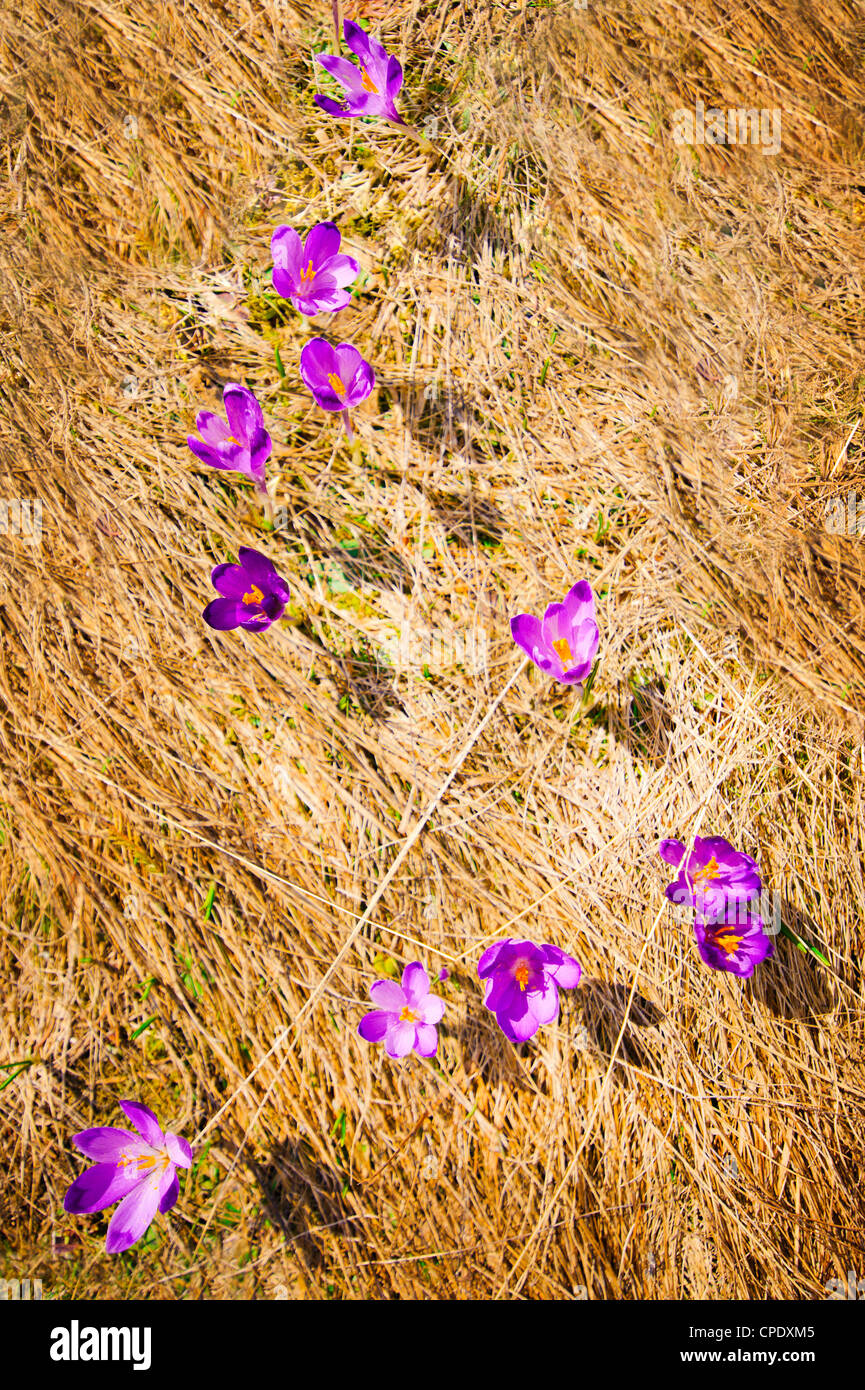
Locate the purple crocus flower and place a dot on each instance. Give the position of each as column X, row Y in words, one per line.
column 241, row 446
column 310, row 273
column 138, row 1168
column 254, row 595
column 712, row 875
column 565, row 642
column 371, row 86
column 338, row 377
column 736, row 940
column 522, row 982
column 406, row 1015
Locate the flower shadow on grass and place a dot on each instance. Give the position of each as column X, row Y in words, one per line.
column 604, row 1004
column 793, row 983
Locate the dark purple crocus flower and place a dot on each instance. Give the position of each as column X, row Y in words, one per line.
column 565, row 642
column 712, row 875
column 735, row 941
column 254, row 595
column 241, row 446
column 522, row 982
column 370, row 88
column 310, row 273
column 406, row 1015
column 338, row 377
column 139, row 1168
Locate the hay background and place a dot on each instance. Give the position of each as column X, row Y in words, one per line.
column 701, row 314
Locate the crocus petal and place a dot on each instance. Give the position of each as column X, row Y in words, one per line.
column 332, row 107
column 431, row 1009
column 223, row 614
column 179, row 1150
column 415, row 983
column 260, row 568
column 233, row 458
column 104, row 1143
column 136, row 1212
column 399, row 1039
column 362, row 45
column 347, row 73
column 491, row 955
column 99, row 1187
column 672, row 852
column 340, row 271
column 544, row 1003
column 564, row 969
column 170, row 1196
column 504, row 992
column 322, row 242
column 324, row 301
column 526, row 632
column 286, row 249
column 212, row 428
column 579, row 603
column 387, row 994
column 521, row 1024
column 143, row 1119
column 244, row 413
column 426, row 1040
column 232, row 581
column 373, row 1027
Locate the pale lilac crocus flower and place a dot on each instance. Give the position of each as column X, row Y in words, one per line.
column 338, row 377
column 311, row 273
column 564, row 643
column 139, row 1169
column 243, row 445
column 406, row 1015
column 370, row 87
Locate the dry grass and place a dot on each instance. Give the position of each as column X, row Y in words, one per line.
column 645, row 363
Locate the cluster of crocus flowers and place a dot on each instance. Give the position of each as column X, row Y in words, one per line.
column 137, row 1168
column 522, row 982
column 720, row 884
column 253, row 595
column 406, row 1015
column 562, row 644
column 370, row 86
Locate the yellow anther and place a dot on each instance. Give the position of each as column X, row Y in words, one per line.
column 254, row 596
column 335, row 383
column 366, row 81
column 562, row 648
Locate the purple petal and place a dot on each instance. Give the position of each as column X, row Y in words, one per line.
column 322, row 242
column 430, row 1009
column 426, row 1040
column 672, row 852
column 104, row 1143
column 223, row 614
column 544, row 1003
column 231, row 581
column 579, row 603
column 339, row 272
column 179, row 1150
column 173, row 1192
column 490, row 956
column 137, row 1211
column 527, row 633
column 142, row 1118
column 399, row 1039
column 332, row 107
column 518, row 1023
column 387, row 994
column 212, row 428
column 99, row 1187
column 415, row 982
column 373, row 1027
column 260, row 568
column 286, row 249
column 244, row 413
column 564, row 969
column 233, row 458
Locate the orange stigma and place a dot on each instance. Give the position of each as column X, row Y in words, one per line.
column 710, row 870
column 254, row 596
column 306, row 276
column 728, row 943
column 335, row 383
column 407, row 1016
column 521, row 975
column 366, row 81
column 562, row 648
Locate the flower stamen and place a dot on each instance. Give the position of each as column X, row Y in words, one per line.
column 521, row 975
column 254, row 596
column 308, row 275
column 366, row 81
column 562, row 648
column 335, row 384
